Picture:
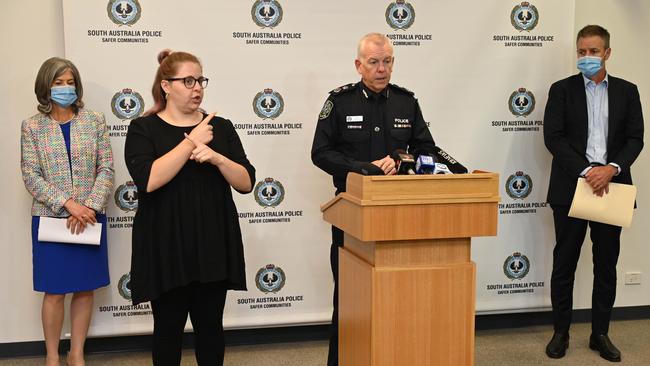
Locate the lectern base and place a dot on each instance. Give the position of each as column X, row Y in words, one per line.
column 398, row 315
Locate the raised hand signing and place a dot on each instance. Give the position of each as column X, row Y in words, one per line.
column 203, row 153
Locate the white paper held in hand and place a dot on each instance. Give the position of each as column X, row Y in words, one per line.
column 614, row 208
column 53, row 229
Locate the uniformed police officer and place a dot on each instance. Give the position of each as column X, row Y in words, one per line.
column 359, row 127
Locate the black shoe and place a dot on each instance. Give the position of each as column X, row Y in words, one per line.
column 558, row 345
column 607, row 350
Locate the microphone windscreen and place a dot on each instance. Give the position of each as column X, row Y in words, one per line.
column 454, row 166
column 441, row 168
column 425, row 164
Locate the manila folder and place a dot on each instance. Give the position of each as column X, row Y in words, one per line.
column 614, row 208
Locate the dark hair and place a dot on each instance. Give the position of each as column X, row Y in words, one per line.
column 51, row 69
column 594, row 30
column 169, row 62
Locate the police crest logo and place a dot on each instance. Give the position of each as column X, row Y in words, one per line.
column 524, row 17
column 126, row 197
column 267, row 13
column 124, row 12
column 127, row 104
column 124, row 286
column 268, row 104
column 327, row 109
column 516, row 266
column 269, row 193
column 521, row 102
column 270, row 279
column 400, row 15
column 519, row 185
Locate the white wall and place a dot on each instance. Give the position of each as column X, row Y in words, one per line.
column 31, row 33
column 626, row 22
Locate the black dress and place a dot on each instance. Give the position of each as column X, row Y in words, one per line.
column 188, row 229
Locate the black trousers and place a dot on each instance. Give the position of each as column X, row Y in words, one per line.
column 569, row 235
column 204, row 302
column 337, row 242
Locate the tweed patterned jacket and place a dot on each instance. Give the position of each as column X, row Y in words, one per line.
column 46, row 169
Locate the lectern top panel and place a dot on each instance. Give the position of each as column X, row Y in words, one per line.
column 423, row 187
column 416, row 207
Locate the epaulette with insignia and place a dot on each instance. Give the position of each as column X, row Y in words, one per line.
column 344, row 88
column 402, row 89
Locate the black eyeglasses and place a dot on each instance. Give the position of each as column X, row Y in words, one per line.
column 190, row 81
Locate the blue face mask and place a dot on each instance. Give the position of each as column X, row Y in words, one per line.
column 63, row 95
column 589, row 65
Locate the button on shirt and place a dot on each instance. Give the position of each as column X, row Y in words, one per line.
column 598, row 117
column 375, row 105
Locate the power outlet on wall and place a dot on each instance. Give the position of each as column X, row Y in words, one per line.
column 633, row 278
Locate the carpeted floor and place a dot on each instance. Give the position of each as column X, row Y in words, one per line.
column 502, row 347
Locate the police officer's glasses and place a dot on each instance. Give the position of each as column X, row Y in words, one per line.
column 190, row 81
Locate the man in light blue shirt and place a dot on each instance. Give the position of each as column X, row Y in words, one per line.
column 598, row 116
column 593, row 127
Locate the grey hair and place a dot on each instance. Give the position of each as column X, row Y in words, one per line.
column 51, row 69
column 374, row 37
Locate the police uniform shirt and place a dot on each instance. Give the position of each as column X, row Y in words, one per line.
column 357, row 126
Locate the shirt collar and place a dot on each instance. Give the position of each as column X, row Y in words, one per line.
column 588, row 81
column 369, row 94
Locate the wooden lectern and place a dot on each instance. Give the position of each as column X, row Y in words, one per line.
column 406, row 279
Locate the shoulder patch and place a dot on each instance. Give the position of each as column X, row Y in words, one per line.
column 327, row 109
column 344, row 88
column 402, row 89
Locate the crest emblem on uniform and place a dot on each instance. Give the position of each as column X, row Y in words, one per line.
column 267, row 13
column 521, row 102
column 516, row 266
column 524, row 17
column 270, row 279
column 268, row 104
column 124, row 286
column 327, row 109
column 124, row 12
column 127, row 104
column 400, row 15
column 519, row 185
column 126, row 197
column 269, row 193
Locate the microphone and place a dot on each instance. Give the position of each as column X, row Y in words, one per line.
column 441, row 169
column 452, row 164
column 425, row 164
column 404, row 161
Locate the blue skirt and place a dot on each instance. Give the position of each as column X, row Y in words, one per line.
column 61, row 268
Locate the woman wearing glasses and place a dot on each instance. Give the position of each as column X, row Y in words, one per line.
column 187, row 247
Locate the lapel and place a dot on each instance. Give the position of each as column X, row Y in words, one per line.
column 580, row 95
column 58, row 159
column 75, row 142
column 613, row 92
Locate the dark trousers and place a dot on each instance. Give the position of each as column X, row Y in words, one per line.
column 204, row 302
column 337, row 242
column 569, row 235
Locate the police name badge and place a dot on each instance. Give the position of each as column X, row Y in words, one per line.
column 349, row 119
